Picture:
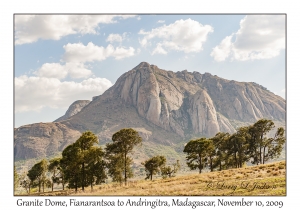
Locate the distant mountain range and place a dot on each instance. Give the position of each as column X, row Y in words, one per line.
column 163, row 106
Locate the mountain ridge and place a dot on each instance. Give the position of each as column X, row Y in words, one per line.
column 169, row 107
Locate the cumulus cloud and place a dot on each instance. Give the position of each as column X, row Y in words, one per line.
column 46, row 87
column 114, row 38
column 222, row 51
column 259, row 37
column 183, row 35
column 34, row 93
column 30, row 28
column 143, row 42
column 159, row 50
column 121, row 53
column 59, row 71
column 80, row 53
column 52, row 70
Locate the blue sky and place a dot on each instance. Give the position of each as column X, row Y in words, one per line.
column 61, row 58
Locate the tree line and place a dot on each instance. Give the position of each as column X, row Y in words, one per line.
column 84, row 163
column 247, row 144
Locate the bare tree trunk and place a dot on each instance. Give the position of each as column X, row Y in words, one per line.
column 200, row 164
column 63, row 183
column 211, row 168
column 236, row 162
column 260, row 161
column 76, row 183
column 82, row 187
column 264, row 155
column 125, row 175
column 91, row 185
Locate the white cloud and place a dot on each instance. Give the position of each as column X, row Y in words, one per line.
column 114, row 38
column 159, row 50
column 125, row 16
column 89, row 53
column 183, row 35
column 259, row 37
column 77, row 70
column 121, row 53
column 52, row 70
column 161, row 21
column 80, row 53
column 222, row 51
column 58, row 71
column 30, row 28
column 143, row 42
column 34, row 93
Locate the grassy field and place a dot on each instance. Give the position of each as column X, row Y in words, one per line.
column 265, row 180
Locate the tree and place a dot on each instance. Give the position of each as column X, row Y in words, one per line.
column 82, row 162
column 54, row 167
column 84, row 143
column 118, row 151
column 38, row 173
column 154, row 165
column 170, row 171
column 238, row 145
column 211, row 152
column 95, row 166
column 272, row 147
column 25, row 182
column 116, row 167
column 16, row 179
column 70, row 165
column 258, row 139
column 198, row 151
column 220, row 141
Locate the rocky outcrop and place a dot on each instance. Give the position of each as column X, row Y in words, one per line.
column 73, row 109
column 246, row 102
column 203, row 114
column 165, row 107
column 42, row 139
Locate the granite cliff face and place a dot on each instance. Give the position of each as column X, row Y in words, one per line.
column 166, row 107
column 73, row 109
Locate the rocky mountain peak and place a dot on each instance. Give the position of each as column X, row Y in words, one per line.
column 166, row 107
column 143, row 65
column 73, row 109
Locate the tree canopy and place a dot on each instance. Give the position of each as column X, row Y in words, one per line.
column 38, row 174
column 82, row 162
column 198, row 151
column 154, row 165
column 117, row 153
column 248, row 143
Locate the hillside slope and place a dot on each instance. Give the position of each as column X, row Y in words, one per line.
column 165, row 107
